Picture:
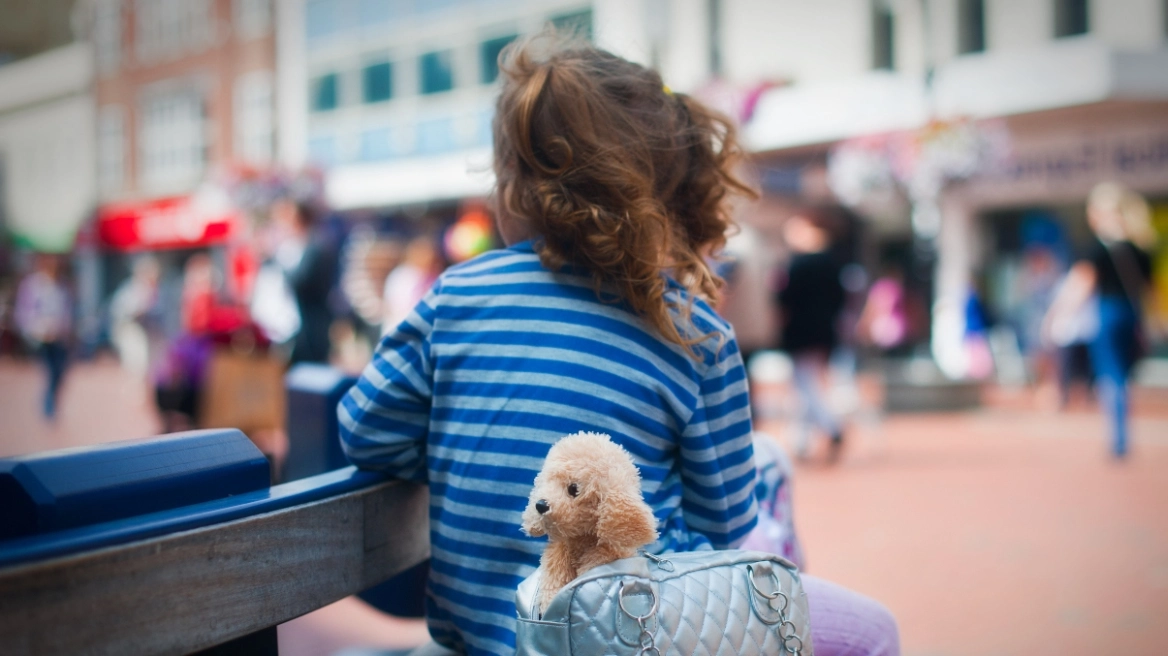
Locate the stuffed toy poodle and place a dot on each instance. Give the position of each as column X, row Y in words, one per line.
column 587, row 500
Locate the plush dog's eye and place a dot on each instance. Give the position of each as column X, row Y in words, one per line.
column 573, row 490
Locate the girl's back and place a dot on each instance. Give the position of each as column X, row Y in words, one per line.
column 503, row 358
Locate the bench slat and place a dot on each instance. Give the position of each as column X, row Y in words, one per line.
column 187, row 591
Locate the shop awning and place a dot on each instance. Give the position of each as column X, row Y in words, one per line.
column 166, row 223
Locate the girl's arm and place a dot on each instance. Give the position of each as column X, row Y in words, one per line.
column 385, row 417
column 717, row 456
column 1074, row 291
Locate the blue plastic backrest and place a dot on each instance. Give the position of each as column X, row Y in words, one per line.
column 57, row 490
column 313, row 443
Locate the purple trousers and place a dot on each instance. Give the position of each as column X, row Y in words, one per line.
column 843, row 623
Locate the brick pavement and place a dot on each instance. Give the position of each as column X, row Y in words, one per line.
column 1002, row 531
column 99, row 403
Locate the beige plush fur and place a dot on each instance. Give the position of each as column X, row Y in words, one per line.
column 606, row 520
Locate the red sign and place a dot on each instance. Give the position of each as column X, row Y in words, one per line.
column 176, row 222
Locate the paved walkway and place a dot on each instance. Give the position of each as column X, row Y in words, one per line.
column 998, row 532
column 1002, row 531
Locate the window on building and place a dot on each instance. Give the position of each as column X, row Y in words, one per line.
column 377, row 82
column 322, row 150
column 320, row 18
column 254, row 130
column 3, row 191
column 436, row 135
column 165, row 29
column 577, row 22
column 171, row 137
column 971, row 26
column 715, row 36
column 107, row 35
column 376, row 145
column 436, row 71
column 1071, row 17
column 489, row 57
column 111, row 149
column 325, row 92
column 252, row 18
column 883, row 35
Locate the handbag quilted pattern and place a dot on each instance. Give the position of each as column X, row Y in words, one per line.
column 701, row 603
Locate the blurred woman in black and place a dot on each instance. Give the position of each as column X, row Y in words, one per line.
column 811, row 299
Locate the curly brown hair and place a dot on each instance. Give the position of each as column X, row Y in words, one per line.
column 612, row 172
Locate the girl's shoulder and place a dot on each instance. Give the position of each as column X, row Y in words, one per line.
column 517, row 258
column 717, row 334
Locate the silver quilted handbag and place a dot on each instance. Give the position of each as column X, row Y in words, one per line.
column 722, row 603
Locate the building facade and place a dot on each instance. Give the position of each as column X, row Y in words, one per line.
column 398, row 97
column 181, row 87
column 47, row 178
column 394, row 100
column 1067, row 93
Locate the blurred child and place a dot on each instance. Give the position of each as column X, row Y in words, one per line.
column 44, row 317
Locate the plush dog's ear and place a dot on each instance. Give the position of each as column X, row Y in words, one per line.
column 624, row 520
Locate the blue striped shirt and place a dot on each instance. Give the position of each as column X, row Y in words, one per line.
column 499, row 360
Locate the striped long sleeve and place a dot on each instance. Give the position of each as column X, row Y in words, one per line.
column 385, row 417
column 717, row 456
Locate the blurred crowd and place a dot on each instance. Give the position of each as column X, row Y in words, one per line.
column 305, row 291
column 210, row 332
column 1079, row 318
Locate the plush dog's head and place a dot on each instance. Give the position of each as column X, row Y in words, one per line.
column 590, row 486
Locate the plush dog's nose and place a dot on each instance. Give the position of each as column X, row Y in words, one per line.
column 542, row 506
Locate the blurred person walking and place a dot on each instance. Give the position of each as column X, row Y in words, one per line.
column 883, row 322
column 409, row 281
column 811, row 300
column 178, row 378
column 134, row 312
column 44, row 318
column 1116, row 271
column 309, row 265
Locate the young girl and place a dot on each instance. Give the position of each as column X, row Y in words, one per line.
column 610, row 195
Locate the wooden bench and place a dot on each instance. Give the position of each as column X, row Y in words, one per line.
column 218, row 574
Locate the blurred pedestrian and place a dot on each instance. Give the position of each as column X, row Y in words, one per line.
column 1116, row 271
column 309, row 264
column 810, row 301
column 44, row 317
column 978, row 355
column 409, row 281
column 883, row 322
column 134, row 311
column 180, row 372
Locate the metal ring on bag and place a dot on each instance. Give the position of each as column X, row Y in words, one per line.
column 640, row 618
column 799, row 646
column 663, row 563
column 769, row 596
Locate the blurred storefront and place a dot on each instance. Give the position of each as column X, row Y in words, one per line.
column 185, row 101
column 47, row 179
column 1038, row 201
column 987, row 152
